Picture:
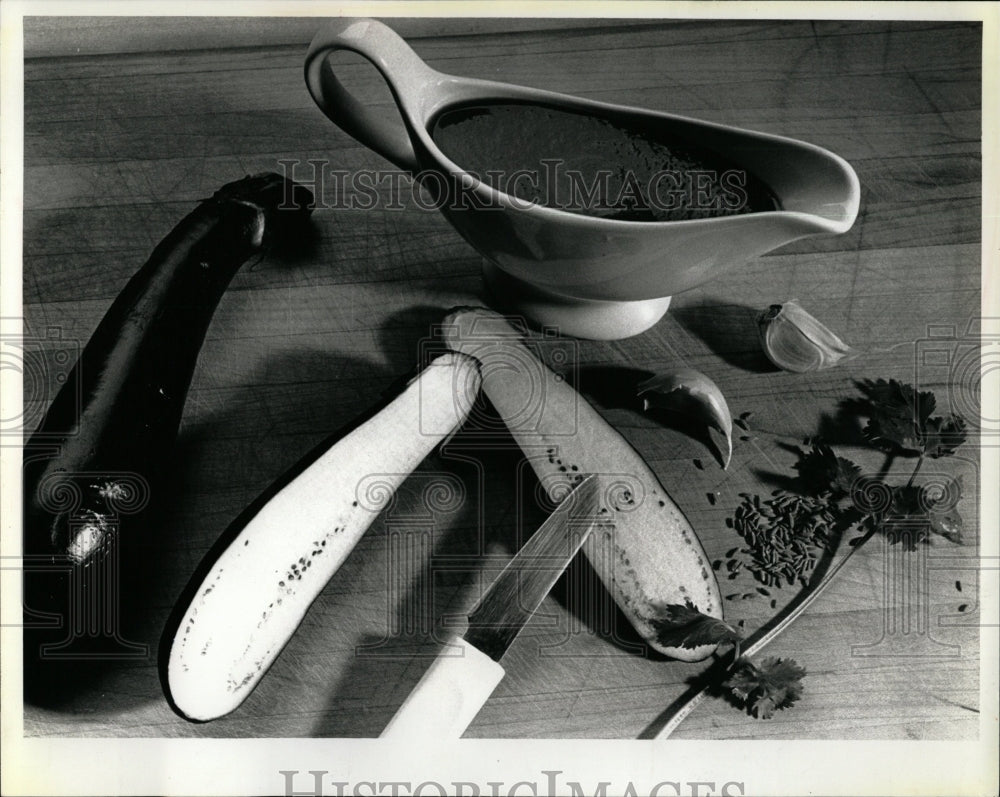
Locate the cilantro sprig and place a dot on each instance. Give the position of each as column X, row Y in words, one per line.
column 764, row 688
column 902, row 420
column 682, row 625
column 833, row 497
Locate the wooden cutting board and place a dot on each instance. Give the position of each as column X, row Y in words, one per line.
column 123, row 138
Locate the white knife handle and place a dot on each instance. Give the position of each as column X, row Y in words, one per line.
column 448, row 696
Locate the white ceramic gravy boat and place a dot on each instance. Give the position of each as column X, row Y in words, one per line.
column 589, row 276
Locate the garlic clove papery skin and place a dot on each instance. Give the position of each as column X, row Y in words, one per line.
column 692, row 393
column 795, row 341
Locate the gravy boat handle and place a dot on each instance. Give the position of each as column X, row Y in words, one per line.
column 402, row 69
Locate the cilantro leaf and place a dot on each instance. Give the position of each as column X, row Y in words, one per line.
column 682, row 625
column 942, row 436
column 892, row 432
column 918, row 511
column 762, row 689
column 900, row 419
column 823, row 472
column 845, row 476
column 894, row 398
column 893, row 413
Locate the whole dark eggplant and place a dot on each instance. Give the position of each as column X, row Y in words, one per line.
column 95, row 463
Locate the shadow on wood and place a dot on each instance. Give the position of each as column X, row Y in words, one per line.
column 729, row 330
column 612, row 386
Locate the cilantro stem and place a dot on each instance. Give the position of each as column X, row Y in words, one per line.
column 890, row 458
column 916, row 470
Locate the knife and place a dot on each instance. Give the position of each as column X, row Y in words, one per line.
column 463, row 676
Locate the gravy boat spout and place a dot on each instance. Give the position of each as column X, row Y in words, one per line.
column 607, row 274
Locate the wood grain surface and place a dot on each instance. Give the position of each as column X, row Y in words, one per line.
column 122, row 139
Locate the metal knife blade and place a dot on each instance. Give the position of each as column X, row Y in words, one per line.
column 463, row 676
column 511, row 599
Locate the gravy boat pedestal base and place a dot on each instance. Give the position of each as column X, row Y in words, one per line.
column 592, row 319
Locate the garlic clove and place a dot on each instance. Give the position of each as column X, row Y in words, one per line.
column 795, row 341
column 691, row 393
